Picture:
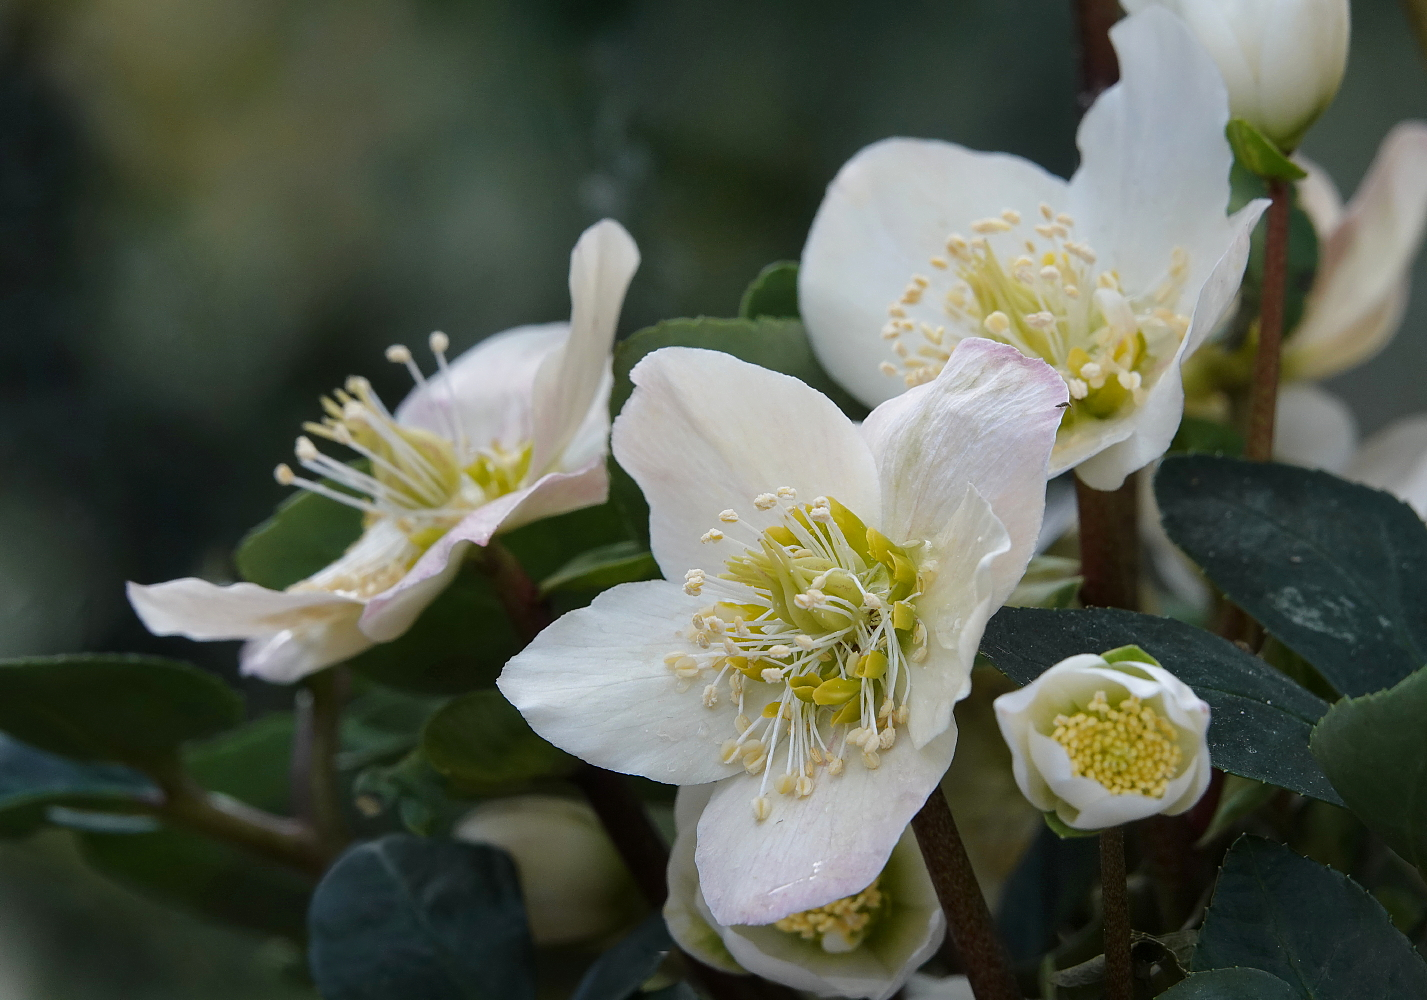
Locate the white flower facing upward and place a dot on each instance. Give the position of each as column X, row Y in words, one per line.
column 1111, row 277
column 1282, row 60
column 512, row 431
column 863, row 945
column 830, row 586
column 1105, row 740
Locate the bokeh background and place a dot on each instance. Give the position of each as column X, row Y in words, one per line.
column 211, row 213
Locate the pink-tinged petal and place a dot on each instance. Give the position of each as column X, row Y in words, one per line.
column 705, row 432
column 1154, row 422
column 989, row 421
column 489, row 388
column 1395, row 459
column 685, row 912
column 1313, row 428
column 291, row 634
column 889, row 210
column 601, row 266
column 811, row 851
column 1319, row 197
column 596, row 685
column 392, row 612
column 1364, row 267
column 961, row 597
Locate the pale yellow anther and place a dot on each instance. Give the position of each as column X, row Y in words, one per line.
column 804, row 786
column 787, row 492
column 779, row 651
column 987, row 226
column 784, row 783
column 1046, row 211
column 741, row 723
column 1041, row 321
column 940, row 263
column 1050, row 273
column 712, row 535
column 728, row 751
column 889, row 737
column 729, row 516
column 771, row 674
column 902, row 715
column 1129, row 749
column 887, row 368
column 762, row 808
column 1011, row 216
column 710, row 697
column 284, row 475
column 1065, row 220
column 765, row 501
column 398, row 354
column 1078, row 388
column 997, row 323
column 835, row 765
column 1046, row 230
column 804, row 641
column 871, row 760
column 438, row 342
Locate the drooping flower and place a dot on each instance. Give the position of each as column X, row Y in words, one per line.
column 865, row 944
column 1282, row 60
column 1112, row 277
column 576, row 888
column 511, row 432
column 1104, row 740
column 830, row 583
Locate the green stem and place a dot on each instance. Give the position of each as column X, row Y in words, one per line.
column 1118, row 976
column 988, row 967
column 316, row 788
column 1109, row 545
column 1263, row 393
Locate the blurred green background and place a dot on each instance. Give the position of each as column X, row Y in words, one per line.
column 211, row 213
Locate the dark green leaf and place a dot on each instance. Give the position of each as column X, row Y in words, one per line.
column 206, row 877
column 424, row 802
column 1238, row 798
column 481, row 742
column 1374, row 750
column 1207, row 436
column 545, row 546
column 1315, row 929
column 32, row 780
column 1331, row 568
column 1231, row 984
column 619, row 972
column 773, row 293
column 305, row 533
column 1260, row 154
column 602, row 568
column 111, row 707
column 1261, row 720
column 416, row 919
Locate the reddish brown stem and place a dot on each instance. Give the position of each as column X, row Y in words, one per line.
column 983, row 956
column 1263, row 394
column 1099, row 68
column 1109, row 545
column 1118, row 976
column 316, row 791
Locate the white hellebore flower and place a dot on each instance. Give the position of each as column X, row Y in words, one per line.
column 1112, row 277
column 576, row 888
column 1104, row 740
column 1395, row 459
column 863, row 945
column 510, row 432
column 1282, row 60
column 831, row 583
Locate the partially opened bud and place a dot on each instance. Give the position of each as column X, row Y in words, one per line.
column 1105, row 740
column 1282, row 60
column 576, row 888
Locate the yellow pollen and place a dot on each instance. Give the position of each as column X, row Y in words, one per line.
column 841, row 925
column 1130, row 749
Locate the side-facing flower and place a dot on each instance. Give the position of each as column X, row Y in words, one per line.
column 576, row 888
column 1104, row 740
column 1112, row 277
column 1395, row 459
column 510, row 432
column 1282, row 60
column 864, row 945
column 832, row 583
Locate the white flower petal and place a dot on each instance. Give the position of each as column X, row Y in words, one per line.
column 294, row 653
column 1358, row 295
column 595, row 684
column 1313, row 428
column 489, row 387
column 1155, row 422
column 393, row 611
column 1155, row 164
column 812, row 850
column 888, row 211
column 684, row 910
column 1395, row 459
column 922, row 987
column 988, row 420
column 705, row 432
column 601, row 266
column 962, row 597
column 1319, row 197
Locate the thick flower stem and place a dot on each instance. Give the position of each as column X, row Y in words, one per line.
column 1263, row 394
column 1099, row 68
column 984, row 957
column 1118, row 976
column 316, row 793
column 1109, row 545
column 526, row 609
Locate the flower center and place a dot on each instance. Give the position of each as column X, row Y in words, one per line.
column 841, row 925
column 816, row 620
column 1129, row 749
column 424, row 480
column 1049, row 303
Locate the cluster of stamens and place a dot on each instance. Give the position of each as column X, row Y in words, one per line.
column 426, row 480
column 1130, row 749
column 1049, row 303
column 841, row 925
column 815, row 620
